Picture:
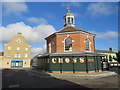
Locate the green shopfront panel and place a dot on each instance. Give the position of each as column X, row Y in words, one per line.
column 79, row 63
column 90, row 63
column 99, row 63
column 45, row 63
column 95, row 63
column 54, row 64
column 67, row 64
column 48, row 64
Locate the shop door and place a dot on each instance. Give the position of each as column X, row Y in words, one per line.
column 13, row 64
column 20, row 64
column 17, row 64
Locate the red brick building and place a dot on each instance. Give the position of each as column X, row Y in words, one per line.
column 70, row 50
column 70, row 38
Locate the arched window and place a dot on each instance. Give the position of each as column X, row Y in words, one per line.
column 68, row 44
column 68, row 20
column 87, row 45
column 65, row 20
column 50, row 47
column 72, row 20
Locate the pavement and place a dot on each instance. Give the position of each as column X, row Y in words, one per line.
column 77, row 75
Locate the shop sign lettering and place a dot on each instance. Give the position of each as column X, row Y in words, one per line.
column 67, row 60
column 74, row 60
column 82, row 60
column 54, row 60
column 60, row 60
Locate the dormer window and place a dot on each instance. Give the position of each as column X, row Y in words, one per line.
column 68, row 44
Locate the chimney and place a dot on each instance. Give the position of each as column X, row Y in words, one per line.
column 110, row 49
column 19, row 33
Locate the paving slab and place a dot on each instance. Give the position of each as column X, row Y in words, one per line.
column 76, row 75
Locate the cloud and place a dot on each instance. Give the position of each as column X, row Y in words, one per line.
column 99, row 9
column 115, row 49
column 14, row 8
column 32, row 34
column 105, row 35
column 71, row 4
column 37, row 20
column 36, row 51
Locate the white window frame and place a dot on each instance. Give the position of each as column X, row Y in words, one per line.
column 18, row 41
column 17, row 55
column 64, row 45
column 8, row 55
column 89, row 45
column 9, row 48
column 26, row 55
column 18, row 48
column 50, row 47
column 26, row 49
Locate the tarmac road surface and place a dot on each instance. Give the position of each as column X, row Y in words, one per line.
column 21, row 78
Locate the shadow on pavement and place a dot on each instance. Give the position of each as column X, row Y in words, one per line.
column 25, row 79
column 115, row 69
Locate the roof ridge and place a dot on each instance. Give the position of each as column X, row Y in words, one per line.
column 71, row 29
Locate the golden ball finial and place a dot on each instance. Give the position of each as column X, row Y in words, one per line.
column 68, row 10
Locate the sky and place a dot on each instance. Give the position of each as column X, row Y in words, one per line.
column 37, row 20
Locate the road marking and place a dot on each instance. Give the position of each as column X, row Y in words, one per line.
column 13, row 86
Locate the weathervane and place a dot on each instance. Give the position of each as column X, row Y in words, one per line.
column 68, row 9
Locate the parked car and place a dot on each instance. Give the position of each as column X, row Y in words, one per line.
column 114, row 64
column 34, row 65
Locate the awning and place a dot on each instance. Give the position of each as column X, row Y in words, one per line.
column 16, row 59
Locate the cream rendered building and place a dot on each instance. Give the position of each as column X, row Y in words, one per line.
column 17, row 53
column 1, row 59
column 107, row 53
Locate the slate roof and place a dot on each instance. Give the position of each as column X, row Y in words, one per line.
column 104, row 51
column 72, row 29
column 68, row 29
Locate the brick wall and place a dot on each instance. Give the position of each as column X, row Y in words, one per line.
column 78, row 43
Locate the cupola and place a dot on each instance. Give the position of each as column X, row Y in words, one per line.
column 69, row 19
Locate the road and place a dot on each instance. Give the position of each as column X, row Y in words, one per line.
column 19, row 78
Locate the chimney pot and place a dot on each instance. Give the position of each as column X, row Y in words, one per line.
column 110, row 49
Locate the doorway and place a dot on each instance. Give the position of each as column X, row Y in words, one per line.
column 16, row 64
